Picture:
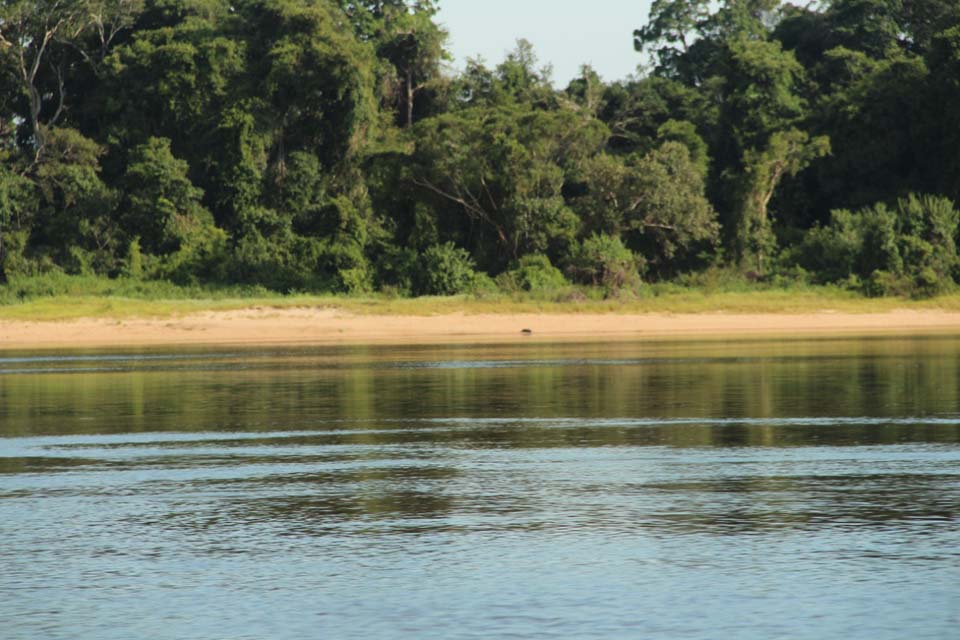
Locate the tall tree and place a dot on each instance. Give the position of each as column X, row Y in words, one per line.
column 787, row 153
column 40, row 40
column 413, row 43
column 496, row 177
column 672, row 28
column 656, row 202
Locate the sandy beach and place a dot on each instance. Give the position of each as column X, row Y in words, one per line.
column 330, row 326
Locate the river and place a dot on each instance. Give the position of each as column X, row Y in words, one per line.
column 738, row 489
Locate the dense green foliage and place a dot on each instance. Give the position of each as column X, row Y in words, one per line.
column 318, row 145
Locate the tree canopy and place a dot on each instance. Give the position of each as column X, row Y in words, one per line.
column 325, row 145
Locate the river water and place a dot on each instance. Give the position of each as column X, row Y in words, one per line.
column 740, row 489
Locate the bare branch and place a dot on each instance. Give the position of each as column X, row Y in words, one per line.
column 470, row 208
column 486, row 189
column 657, row 225
column 453, row 198
column 62, row 94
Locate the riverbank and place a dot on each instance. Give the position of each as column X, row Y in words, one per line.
column 57, row 311
column 261, row 325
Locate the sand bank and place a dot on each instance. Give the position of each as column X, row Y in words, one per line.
column 330, row 326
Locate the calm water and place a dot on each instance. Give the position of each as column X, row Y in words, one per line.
column 802, row 489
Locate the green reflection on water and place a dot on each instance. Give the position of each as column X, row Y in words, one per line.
column 374, row 395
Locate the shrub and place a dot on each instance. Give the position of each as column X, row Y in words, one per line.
column 397, row 269
column 883, row 283
column 908, row 250
column 134, row 264
column 15, row 260
column 282, row 262
column 604, row 260
column 483, row 285
column 161, row 206
column 203, row 256
column 346, row 266
column 444, row 270
column 831, row 252
column 532, row 273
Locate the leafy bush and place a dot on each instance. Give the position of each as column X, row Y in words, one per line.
column 883, row 283
column 604, row 260
column 134, row 263
column 161, row 206
column 397, row 268
column 908, row 250
column 483, row 285
column 532, row 273
column 281, row 262
column 444, row 270
column 202, row 257
column 831, row 253
column 347, row 265
column 15, row 262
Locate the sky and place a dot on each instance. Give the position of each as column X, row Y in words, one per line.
column 564, row 33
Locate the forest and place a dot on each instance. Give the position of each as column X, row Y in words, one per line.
column 325, row 146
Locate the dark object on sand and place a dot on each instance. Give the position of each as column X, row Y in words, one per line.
column 527, row 332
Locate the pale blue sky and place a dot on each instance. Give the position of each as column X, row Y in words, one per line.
column 564, row 33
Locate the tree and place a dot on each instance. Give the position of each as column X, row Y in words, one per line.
column 413, row 44
column 884, row 128
column 75, row 220
column 670, row 218
column 635, row 111
column 445, row 270
column 409, row 44
column 788, row 153
column 759, row 140
column 160, row 206
column 522, row 80
column 16, row 206
column 943, row 100
column 761, row 92
column 38, row 38
column 317, row 80
column 587, row 91
column 686, row 134
column 366, row 15
column 671, row 23
column 185, row 81
column 495, row 177
column 690, row 39
column 656, row 202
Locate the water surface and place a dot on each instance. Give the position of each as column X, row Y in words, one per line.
column 770, row 489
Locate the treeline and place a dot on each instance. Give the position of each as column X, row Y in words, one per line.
column 318, row 145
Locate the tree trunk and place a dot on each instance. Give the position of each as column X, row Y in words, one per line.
column 35, row 106
column 410, row 91
column 3, row 260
